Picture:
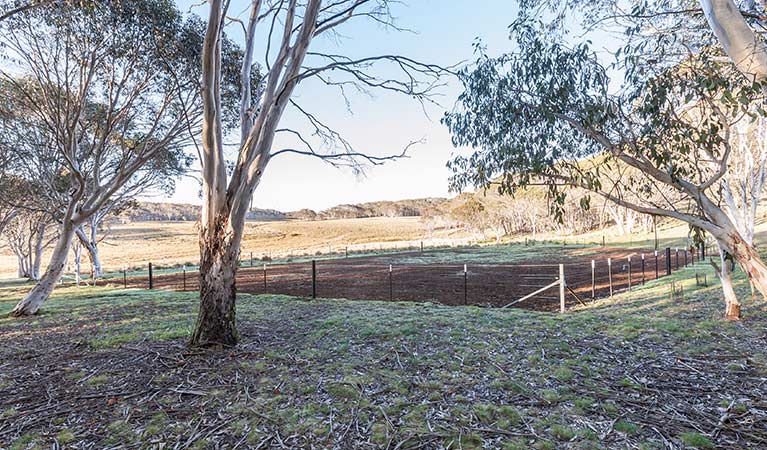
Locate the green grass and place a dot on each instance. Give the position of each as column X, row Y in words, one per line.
column 329, row 372
column 696, row 440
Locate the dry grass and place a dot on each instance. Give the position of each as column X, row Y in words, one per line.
column 168, row 243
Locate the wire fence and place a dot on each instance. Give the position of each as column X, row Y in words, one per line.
column 495, row 285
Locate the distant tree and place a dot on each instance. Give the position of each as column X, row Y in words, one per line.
column 743, row 185
column 115, row 87
column 472, row 214
column 292, row 28
column 28, row 235
column 157, row 176
column 546, row 112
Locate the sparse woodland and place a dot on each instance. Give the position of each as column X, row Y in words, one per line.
column 647, row 117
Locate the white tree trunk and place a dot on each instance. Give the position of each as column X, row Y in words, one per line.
column 747, row 257
column 22, row 266
column 77, row 250
column 736, row 37
column 37, row 254
column 732, row 311
column 30, row 304
column 90, row 243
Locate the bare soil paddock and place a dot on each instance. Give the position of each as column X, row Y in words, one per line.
column 413, row 278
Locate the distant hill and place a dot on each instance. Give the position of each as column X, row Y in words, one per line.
column 398, row 208
column 150, row 211
column 156, row 212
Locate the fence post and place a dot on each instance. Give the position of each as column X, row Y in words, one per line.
column 677, row 257
column 603, row 241
column 561, row 288
column 346, row 251
column 610, row 274
column 391, row 284
column 151, row 281
column 125, row 278
column 668, row 260
column 465, row 284
column 314, row 279
column 593, row 280
column 184, row 277
column 421, row 246
column 629, row 272
column 264, row 278
column 251, row 259
column 656, row 264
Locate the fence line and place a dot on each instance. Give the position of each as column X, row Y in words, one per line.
column 524, row 285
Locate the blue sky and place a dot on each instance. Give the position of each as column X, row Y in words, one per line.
column 384, row 123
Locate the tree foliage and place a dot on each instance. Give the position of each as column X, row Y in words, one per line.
column 549, row 114
column 104, row 99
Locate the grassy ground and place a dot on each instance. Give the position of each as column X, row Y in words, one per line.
column 106, row 368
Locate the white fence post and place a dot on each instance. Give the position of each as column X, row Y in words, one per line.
column 561, row 288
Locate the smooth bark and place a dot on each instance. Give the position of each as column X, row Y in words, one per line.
column 732, row 305
column 736, row 37
column 32, row 302
column 90, row 244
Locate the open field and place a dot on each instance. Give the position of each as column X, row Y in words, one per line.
column 175, row 243
column 635, row 371
column 171, row 243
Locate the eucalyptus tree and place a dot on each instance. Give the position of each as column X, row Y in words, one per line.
column 158, row 176
column 660, row 35
column 743, row 186
column 736, row 25
column 547, row 114
column 28, row 235
column 115, row 87
column 282, row 34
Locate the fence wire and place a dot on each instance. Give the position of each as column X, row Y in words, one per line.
column 451, row 284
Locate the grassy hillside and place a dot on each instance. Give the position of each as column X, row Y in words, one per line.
column 637, row 371
column 396, row 208
column 159, row 211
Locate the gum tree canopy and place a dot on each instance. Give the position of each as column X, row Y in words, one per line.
column 548, row 114
column 112, row 89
